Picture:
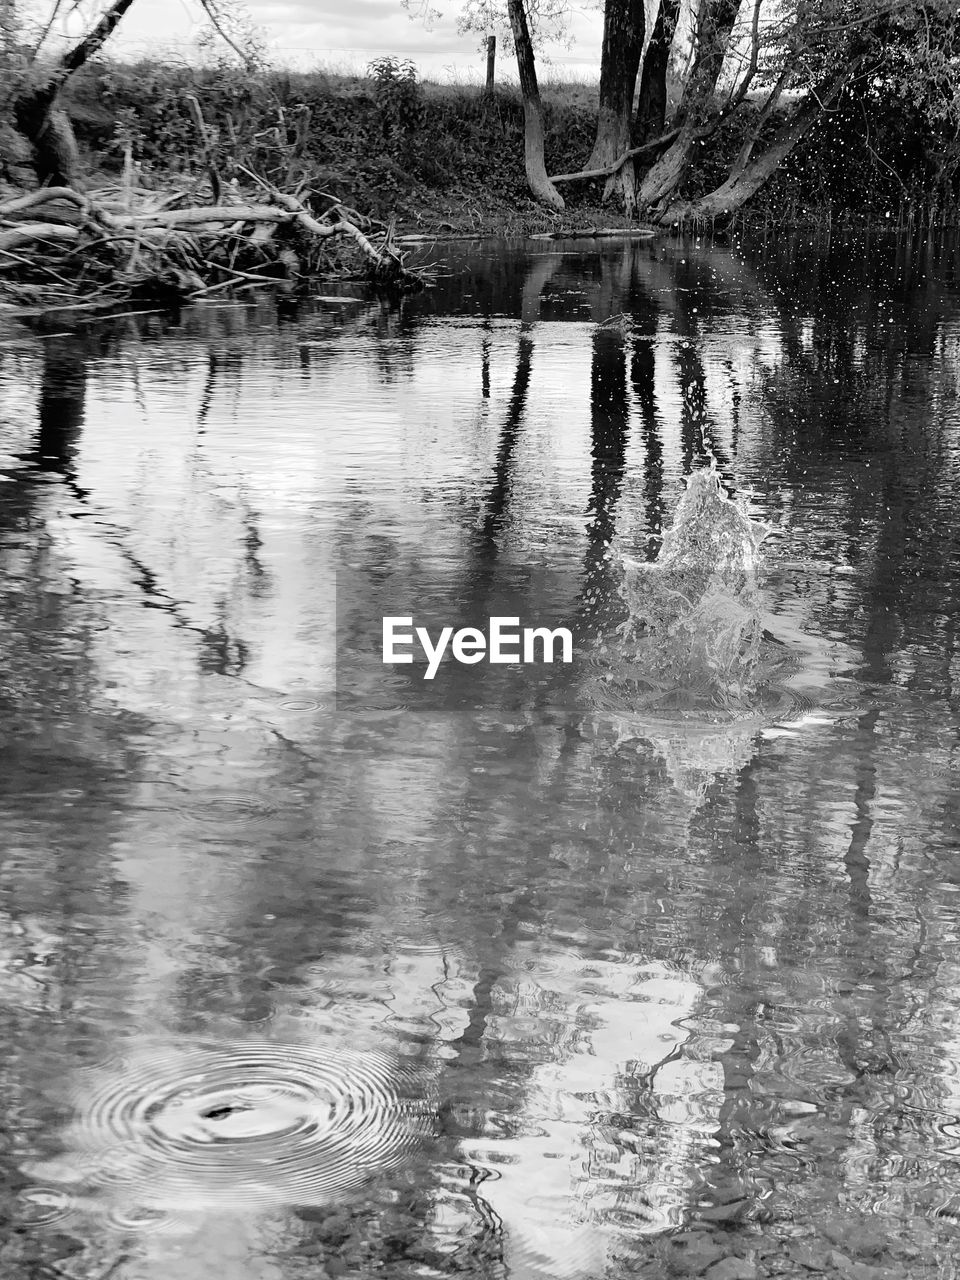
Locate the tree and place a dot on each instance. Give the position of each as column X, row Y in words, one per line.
column 652, row 99
column 623, row 32
column 755, row 77
column 715, row 21
column 802, row 52
column 524, row 23
column 533, row 155
column 36, row 85
column 36, row 109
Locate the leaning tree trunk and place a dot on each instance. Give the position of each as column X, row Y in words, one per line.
column 651, row 114
column 56, row 157
column 623, row 30
column 747, row 176
column 714, row 25
column 536, row 170
column 41, row 120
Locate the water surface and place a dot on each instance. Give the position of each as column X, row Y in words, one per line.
column 304, row 971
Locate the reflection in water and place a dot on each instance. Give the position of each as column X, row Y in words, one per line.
column 609, row 428
column 565, row 1001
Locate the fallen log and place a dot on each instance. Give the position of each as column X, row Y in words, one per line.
column 31, row 232
column 212, row 214
column 200, row 243
column 388, row 262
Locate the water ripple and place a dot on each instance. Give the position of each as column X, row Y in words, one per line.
column 42, row 1206
column 261, row 1124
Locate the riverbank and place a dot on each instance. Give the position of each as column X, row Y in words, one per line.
column 438, row 158
column 356, row 172
column 64, row 248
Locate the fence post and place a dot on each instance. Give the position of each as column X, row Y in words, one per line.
column 491, row 61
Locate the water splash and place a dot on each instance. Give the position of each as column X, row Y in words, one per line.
column 695, row 613
column 692, row 670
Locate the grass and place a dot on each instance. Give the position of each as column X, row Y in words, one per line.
column 427, row 153
column 431, row 153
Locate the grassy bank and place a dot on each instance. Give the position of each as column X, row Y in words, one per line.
column 433, row 156
column 448, row 157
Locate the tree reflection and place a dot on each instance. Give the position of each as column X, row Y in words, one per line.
column 495, row 505
column 641, row 1005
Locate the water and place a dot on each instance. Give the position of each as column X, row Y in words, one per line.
column 309, row 966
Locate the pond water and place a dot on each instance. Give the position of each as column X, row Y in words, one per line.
column 311, row 967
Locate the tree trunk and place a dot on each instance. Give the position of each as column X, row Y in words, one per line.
column 651, row 114
column 623, row 30
column 56, row 157
column 665, row 175
column 44, row 124
column 715, row 21
column 8, row 28
column 536, row 170
column 746, row 179
column 714, row 25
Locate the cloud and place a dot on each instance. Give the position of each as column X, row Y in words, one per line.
column 349, row 33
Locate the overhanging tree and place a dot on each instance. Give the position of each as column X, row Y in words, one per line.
column 34, row 83
column 35, row 107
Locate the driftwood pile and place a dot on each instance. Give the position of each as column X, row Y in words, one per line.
column 60, row 247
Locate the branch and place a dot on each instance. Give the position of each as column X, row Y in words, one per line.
column 741, row 90
column 386, row 259
column 29, row 232
column 749, row 142
column 209, row 10
column 308, row 221
column 44, row 196
column 48, row 195
column 655, row 145
column 93, row 42
column 32, row 57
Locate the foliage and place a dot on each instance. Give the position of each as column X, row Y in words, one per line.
column 149, row 103
column 397, row 94
column 230, row 25
column 875, row 153
column 549, row 20
column 381, row 144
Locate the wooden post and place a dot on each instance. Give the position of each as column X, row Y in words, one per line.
column 491, row 61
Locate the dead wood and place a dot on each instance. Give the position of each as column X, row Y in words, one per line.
column 185, row 251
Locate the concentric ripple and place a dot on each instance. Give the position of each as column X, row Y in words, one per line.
column 42, row 1206
column 140, row 1220
column 263, row 1124
column 300, row 705
column 229, row 810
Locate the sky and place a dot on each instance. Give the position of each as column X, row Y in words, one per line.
column 347, row 34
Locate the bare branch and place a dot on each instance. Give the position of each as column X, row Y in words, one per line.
column 248, row 60
column 664, row 140
column 93, row 42
column 54, row 13
column 751, row 70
